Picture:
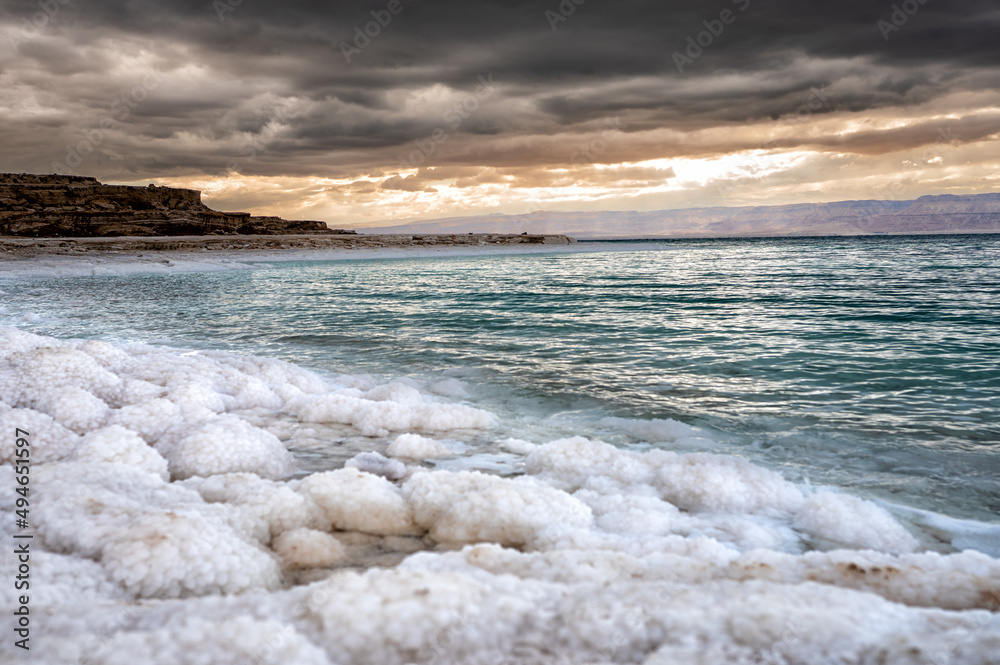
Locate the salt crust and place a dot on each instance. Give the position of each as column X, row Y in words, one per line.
column 418, row 447
column 149, row 484
column 308, row 548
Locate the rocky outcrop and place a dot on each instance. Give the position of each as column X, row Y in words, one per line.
column 48, row 206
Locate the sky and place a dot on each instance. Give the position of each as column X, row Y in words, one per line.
column 378, row 111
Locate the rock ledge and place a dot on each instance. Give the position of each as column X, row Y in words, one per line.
column 62, row 206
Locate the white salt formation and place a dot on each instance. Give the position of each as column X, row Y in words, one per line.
column 172, row 525
column 308, row 548
column 415, row 446
column 395, row 407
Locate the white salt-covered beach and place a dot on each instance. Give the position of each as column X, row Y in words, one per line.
column 174, row 522
column 47, row 262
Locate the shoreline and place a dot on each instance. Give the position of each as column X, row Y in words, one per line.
column 31, row 258
column 24, row 246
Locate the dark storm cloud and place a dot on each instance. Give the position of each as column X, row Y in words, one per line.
column 267, row 87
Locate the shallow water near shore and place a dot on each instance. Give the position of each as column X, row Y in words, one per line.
column 683, row 452
column 864, row 363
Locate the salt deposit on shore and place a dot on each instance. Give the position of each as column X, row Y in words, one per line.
column 30, row 264
column 173, row 524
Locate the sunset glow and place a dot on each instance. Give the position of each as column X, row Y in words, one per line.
column 506, row 115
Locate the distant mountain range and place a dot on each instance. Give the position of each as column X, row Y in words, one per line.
column 928, row 214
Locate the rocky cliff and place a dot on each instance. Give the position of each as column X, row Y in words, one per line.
column 47, row 206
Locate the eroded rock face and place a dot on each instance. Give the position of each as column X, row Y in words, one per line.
column 76, row 206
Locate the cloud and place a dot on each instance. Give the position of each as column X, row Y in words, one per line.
column 400, row 184
column 265, row 91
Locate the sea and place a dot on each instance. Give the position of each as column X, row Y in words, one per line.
column 870, row 364
column 681, row 452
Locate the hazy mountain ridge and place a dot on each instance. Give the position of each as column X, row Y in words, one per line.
column 945, row 213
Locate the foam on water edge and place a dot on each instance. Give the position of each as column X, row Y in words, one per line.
column 177, row 519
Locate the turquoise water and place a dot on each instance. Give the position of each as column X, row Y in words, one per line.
column 866, row 363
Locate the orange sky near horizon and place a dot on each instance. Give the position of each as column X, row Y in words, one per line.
column 476, row 107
